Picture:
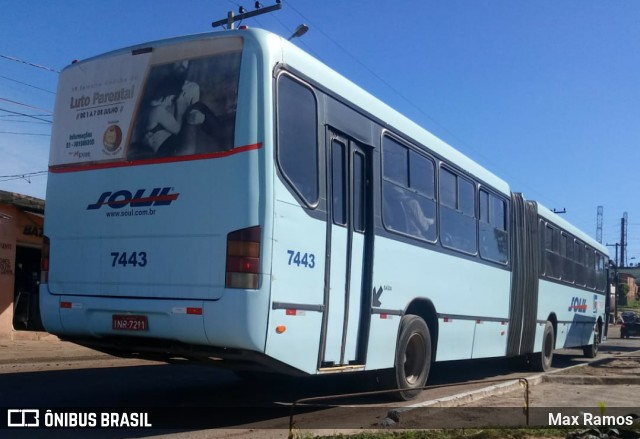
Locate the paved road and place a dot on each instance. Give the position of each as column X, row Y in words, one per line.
column 222, row 399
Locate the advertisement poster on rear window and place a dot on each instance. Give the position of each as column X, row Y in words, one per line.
column 172, row 101
column 95, row 102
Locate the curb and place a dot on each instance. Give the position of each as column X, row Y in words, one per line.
column 555, row 376
column 493, row 390
column 478, row 394
column 592, row 380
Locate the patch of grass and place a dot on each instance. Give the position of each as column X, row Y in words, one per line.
column 519, row 433
column 632, row 305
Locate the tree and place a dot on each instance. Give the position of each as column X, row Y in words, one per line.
column 622, row 291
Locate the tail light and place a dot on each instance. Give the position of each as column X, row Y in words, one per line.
column 44, row 261
column 243, row 258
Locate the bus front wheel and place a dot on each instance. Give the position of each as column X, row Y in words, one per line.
column 413, row 357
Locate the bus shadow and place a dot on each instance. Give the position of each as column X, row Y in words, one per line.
column 177, row 397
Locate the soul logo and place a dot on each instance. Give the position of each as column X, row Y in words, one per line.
column 118, row 200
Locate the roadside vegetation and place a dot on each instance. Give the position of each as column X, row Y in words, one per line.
column 631, row 305
column 540, row 433
column 520, row 433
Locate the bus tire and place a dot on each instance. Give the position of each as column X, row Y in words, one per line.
column 591, row 350
column 541, row 361
column 413, row 357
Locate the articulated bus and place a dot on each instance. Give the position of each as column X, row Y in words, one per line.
column 228, row 198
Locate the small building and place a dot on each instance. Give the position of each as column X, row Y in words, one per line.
column 21, row 231
column 628, row 276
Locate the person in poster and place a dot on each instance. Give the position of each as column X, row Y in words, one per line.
column 176, row 116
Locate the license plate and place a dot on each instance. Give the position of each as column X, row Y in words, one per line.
column 129, row 323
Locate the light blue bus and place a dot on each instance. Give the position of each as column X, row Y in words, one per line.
column 228, row 198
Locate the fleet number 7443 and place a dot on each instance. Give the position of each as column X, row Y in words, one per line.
column 124, row 259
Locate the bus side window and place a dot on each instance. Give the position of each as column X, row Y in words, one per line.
column 408, row 191
column 457, row 212
column 590, row 267
column 298, row 137
column 494, row 243
column 338, row 185
column 359, row 199
column 579, row 269
column 566, row 252
column 552, row 265
column 601, row 278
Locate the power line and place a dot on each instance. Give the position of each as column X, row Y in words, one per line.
column 27, row 176
column 11, row 58
column 25, row 134
column 2, row 116
column 28, row 85
column 23, row 121
column 25, row 105
column 25, row 115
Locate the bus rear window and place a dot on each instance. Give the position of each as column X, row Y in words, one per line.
column 168, row 101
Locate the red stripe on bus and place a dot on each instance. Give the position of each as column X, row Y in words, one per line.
column 212, row 155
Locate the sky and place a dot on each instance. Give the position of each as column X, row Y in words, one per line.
column 544, row 93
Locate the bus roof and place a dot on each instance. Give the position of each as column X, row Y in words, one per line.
column 561, row 222
column 355, row 95
column 141, row 46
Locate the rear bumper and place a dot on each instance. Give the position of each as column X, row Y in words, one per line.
column 238, row 320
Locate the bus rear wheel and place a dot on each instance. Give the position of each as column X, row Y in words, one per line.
column 541, row 361
column 591, row 350
column 413, row 357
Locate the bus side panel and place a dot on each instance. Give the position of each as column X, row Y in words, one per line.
column 383, row 336
column 298, row 345
column 462, row 292
column 239, row 319
column 489, row 339
column 455, row 339
column 576, row 311
column 297, row 285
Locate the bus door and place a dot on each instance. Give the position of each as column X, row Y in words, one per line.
column 348, row 246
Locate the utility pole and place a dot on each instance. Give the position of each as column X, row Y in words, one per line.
column 616, row 245
column 599, row 225
column 232, row 18
column 615, row 284
column 624, row 261
column 623, row 239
